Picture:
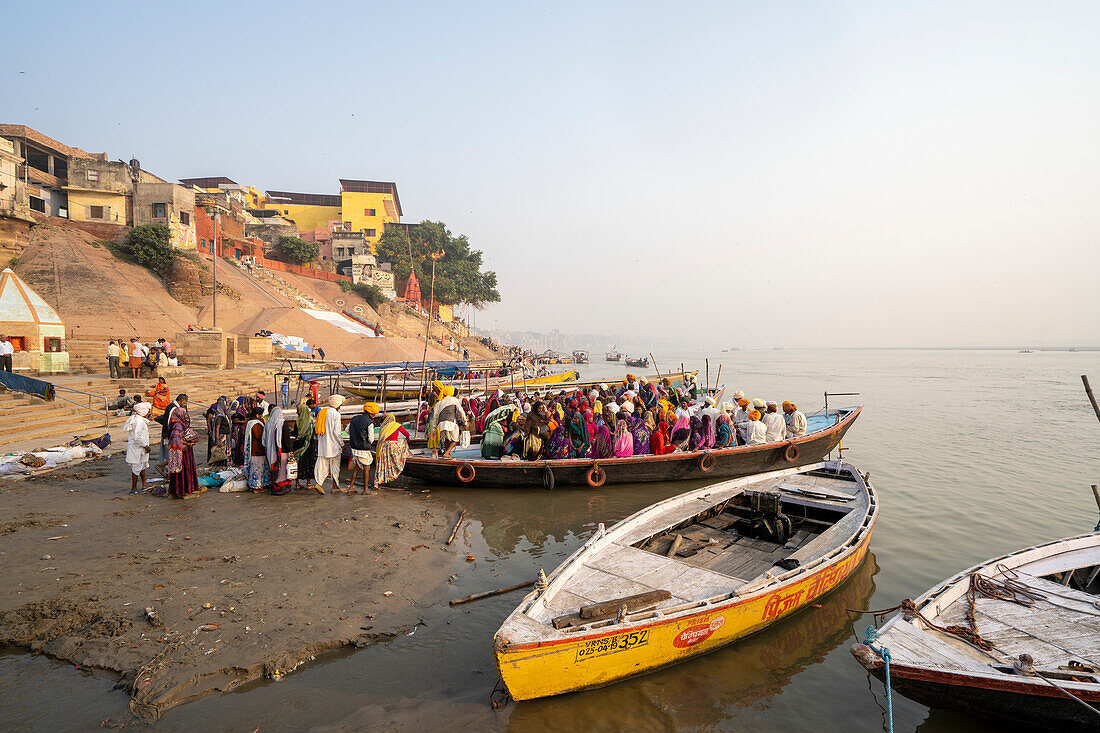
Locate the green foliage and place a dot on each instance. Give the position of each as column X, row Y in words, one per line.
column 298, row 250
column 367, row 291
column 13, row 262
column 458, row 275
column 150, row 245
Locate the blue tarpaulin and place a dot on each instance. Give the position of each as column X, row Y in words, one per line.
column 27, row 385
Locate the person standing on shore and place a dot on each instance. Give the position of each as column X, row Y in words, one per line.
column 137, row 445
column 329, row 445
column 112, row 359
column 165, row 423
column 284, row 393
column 258, row 474
column 393, row 450
column 305, row 444
column 6, row 350
column 361, row 438
column 183, row 479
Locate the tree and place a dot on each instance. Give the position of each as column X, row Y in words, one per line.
column 367, row 291
column 298, row 250
column 458, row 276
column 150, row 245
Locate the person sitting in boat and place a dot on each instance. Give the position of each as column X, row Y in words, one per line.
column 681, row 434
column 448, row 421
column 579, row 437
column 754, row 432
column 624, row 441
column 659, row 444
column 796, row 421
column 776, row 426
column 724, row 437
column 513, row 436
column 709, row 409
column 741, row 415
column 536, row 432
column 691, row 386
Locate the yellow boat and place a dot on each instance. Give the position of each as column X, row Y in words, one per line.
column 396, row 389
column 686, row 576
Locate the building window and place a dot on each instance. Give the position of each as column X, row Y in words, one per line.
column 52, row 344
column 185, row 218
column 368, row 212
column 370, row 232
column 38, row 204
column 93, row 175
column 285, row 211
column 202, row 243
column 95, row 212
column 160, row 211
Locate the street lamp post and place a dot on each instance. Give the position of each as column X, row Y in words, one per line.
column 427, row 334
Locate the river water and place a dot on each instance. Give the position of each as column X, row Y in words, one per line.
column 973, row 453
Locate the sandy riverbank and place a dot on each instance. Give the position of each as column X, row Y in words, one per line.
column 286, row 578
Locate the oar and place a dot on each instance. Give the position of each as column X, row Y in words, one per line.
column 655, row 365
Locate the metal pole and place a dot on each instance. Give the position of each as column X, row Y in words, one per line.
column 214, row 308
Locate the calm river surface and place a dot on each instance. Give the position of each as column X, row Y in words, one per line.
column 974, row 453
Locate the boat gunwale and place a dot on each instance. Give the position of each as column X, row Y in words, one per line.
column 751, row 591
column 851, row 414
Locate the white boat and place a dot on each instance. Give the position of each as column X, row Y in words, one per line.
column 1016, row 638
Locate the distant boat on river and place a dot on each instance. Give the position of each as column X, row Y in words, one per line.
column 613, row 355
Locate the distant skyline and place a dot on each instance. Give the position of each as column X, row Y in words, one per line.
column 830, row 174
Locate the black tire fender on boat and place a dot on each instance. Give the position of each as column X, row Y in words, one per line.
column 548, row 478
column 706, row 462
column 791, row 454
column 461, row 474
column 595, row 476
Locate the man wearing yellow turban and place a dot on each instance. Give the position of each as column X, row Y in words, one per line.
column 796, row 421
column 753, row 432
column 361, row 438
column 741, row 414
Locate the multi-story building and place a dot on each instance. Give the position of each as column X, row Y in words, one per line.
column 44, row 167
column 365, row 207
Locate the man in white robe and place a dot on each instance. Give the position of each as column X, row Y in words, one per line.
column 137, row 445
column 329, row 445
column 753, row 432
column 709, row 408
column 796, row 421
column 774, row 423
column 741, row 414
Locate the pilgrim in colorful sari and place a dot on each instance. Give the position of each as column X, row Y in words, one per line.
column 305, row 447
column 393, row 450
column 640, row 432
column 579, row 439
column 658, row 441
column 558, row 446
column 183, row 480
column 624, row 441
column 698, row 440
column 724, row 435
column 603, row 446
column 492, row 439
column 707, row 428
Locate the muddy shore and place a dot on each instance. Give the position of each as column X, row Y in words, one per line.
column 243, row 586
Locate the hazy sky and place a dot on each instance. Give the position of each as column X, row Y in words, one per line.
column 751, row 174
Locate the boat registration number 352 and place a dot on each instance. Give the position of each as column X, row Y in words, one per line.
column 612, row 644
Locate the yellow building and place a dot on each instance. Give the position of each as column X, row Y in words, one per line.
column 361, row 206
column 367, row 206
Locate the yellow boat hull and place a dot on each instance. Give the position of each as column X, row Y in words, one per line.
column 596, row 659
column 471, row 385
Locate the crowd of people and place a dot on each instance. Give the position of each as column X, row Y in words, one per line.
column 276, row 449
column 135, row 356
column 636, row 417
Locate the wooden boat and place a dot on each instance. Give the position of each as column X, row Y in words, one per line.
column 642, row 362
column 467, row 468
column 580, row 357
column 613, row 355
column 397, row 389
column 1049, row 612
column 686, row 576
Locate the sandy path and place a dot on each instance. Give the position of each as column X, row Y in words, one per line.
column 287, row 578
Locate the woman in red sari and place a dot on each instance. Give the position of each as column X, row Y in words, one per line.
column 658, row 440
column 183, row 480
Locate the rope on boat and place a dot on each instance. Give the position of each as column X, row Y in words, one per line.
column 884, row 652
column 500, row 696
column 1010, row 590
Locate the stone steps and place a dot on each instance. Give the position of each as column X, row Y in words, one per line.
column 24, row 418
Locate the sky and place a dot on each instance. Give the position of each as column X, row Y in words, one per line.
column 742, row 174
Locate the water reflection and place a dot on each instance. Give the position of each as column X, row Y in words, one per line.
column 710, row 689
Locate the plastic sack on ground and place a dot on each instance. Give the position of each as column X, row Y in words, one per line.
column 233, row 486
